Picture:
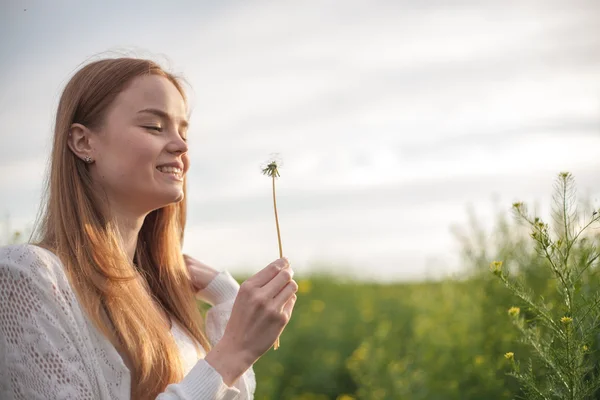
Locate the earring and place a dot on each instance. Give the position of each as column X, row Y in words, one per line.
column 87, row 159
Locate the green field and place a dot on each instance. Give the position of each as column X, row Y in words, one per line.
column 432, row 340
column 454, row 338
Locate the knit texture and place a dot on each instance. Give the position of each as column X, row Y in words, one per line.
column 49, row 349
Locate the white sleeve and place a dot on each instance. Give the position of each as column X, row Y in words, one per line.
column 203, row 381
column 46, row 354
column 222, row 292
column 42, row 354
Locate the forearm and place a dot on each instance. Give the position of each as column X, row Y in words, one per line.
column 228, row 362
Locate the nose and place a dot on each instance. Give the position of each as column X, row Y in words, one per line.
column 177, row 146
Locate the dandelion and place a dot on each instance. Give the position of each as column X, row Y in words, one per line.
column 514, row 311
column 509, row 356
column 271, row 169
column 585, row 348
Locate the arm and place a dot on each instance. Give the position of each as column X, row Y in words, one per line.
column 42, row 351
column 221, row 292
column 222, row 288
column 212, row 377
column 45, row 349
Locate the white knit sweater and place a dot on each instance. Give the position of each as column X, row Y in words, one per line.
column 49, row 349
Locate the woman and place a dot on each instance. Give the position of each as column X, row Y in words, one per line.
column 102, row 306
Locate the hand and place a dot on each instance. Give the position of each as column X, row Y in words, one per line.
column 200, row 274
column 262, row 309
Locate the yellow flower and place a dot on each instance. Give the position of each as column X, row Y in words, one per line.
column 496, row 267
column 317, row 306
column 514, row 311
column 585, row 347
column 361, row 352
column 566, row 320
column 510, row 355
column 304, row 286
column 345, row 397
column 479, row 360
column 565, row 175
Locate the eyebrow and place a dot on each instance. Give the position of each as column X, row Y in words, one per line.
column 160, row 113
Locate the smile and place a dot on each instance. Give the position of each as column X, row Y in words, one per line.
column 175, row 172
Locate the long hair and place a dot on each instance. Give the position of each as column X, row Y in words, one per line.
column 75, row 226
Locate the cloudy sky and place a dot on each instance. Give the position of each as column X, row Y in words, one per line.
column 391, row 117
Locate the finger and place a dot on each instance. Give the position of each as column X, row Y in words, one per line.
column 273, row 287
column 285, row 294
column 189, row 259
column 262, row 277
column 289, row 306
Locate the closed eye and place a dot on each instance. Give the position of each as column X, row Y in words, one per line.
column 159, row 129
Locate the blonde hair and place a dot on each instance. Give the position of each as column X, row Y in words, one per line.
column 74, row 225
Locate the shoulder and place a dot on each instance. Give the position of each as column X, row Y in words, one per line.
column 27, row 261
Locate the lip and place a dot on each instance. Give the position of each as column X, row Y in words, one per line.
column 173, row 177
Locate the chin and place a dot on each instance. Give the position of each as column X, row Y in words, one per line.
column 175, row 197
column 164, row 199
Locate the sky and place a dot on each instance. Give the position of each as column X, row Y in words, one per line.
column 392, row 118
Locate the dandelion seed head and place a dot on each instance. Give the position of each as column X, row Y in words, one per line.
column 272, row 165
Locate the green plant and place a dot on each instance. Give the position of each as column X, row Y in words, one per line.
column 561, row 334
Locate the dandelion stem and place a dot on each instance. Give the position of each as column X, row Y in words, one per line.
column 277, row 220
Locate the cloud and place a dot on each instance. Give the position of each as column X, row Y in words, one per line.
column 390, row 115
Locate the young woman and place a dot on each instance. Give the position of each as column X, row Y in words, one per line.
column 103, row 304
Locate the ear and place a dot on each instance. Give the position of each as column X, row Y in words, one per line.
column 80, row 142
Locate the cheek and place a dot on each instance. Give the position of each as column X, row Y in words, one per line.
column 130, row 159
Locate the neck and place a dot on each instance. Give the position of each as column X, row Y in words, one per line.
column 129, row 227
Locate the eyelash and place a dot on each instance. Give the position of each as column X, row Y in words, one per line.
column 159, row 129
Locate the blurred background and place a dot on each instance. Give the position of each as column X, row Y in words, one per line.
column 405, row 128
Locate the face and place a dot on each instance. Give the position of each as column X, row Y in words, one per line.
column 140, row 153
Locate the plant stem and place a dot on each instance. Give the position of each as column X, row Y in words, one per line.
column 277, row 220
column 276, row 346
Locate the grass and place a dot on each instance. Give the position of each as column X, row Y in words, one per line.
column 455, row 339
